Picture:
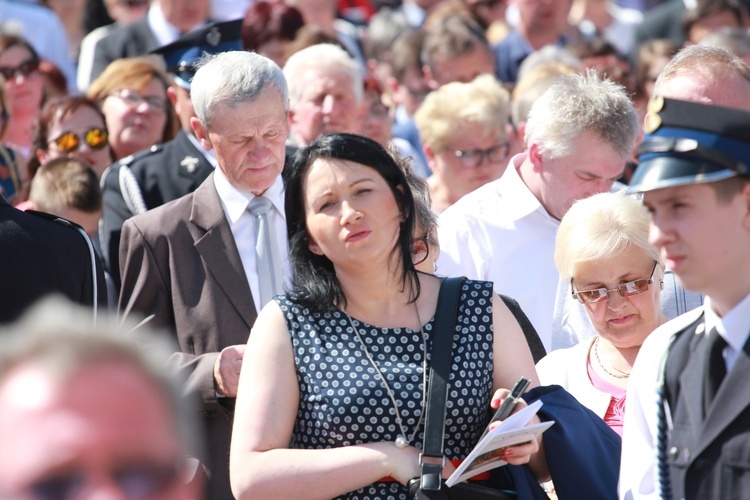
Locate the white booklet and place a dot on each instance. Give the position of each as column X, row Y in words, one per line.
column 488, row 453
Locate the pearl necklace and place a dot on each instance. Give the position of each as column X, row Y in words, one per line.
column 401, row 440
column 599, row 362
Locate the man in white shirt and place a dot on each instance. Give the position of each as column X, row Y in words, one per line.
column 711, row 76
column 579, row 136
column 695, row 182
column 191, row 265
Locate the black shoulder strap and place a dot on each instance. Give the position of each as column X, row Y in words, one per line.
column 431, row 459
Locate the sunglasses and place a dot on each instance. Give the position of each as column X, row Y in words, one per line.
column 420, row 249
column 25, row 69
column 95, row 138
column 133, row 482
column 625, row 289
column 475, row 157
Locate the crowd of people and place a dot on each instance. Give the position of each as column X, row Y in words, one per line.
column 257, row 204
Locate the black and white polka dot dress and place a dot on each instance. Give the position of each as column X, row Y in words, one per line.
column 343, row 401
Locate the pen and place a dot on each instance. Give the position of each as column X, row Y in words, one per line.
column 506, row 408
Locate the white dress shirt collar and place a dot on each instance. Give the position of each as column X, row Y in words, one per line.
column 734, row 326
column 164, row 32
column 235, row 202
column 519, row 200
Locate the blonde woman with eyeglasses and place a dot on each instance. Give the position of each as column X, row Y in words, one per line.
column 602, row 249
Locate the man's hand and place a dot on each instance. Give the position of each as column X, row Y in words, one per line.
column 227, row 370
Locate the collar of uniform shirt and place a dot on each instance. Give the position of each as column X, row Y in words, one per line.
column 734, row 326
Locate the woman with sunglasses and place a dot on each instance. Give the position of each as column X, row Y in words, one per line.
column 602, row 249
column 19, row 65
column 72, row 127
column 132, row 94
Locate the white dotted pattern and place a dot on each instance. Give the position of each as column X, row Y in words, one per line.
column 343, row 400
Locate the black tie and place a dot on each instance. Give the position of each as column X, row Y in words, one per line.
column 716, row 367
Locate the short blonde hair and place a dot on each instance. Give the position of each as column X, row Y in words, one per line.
column 600, row 227
column 482, row 102
column 135, row 73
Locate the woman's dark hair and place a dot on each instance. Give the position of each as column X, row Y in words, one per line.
column 314, row 279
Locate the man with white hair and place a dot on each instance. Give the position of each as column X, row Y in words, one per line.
column 579, row 135
column 202, row 266
column 326, row 93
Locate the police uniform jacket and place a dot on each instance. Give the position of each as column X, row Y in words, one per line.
column 164, row 173
column 180, row 265
column 708, row 458
column 41, row 257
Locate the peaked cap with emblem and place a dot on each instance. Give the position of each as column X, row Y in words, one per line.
column 691, row 143
column 181, row 56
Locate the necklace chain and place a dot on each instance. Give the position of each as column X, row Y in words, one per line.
column 601, row 365
column 401, row 441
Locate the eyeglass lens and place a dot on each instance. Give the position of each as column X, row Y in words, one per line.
column 157, row 104
column 24, row 69
column 625, row 289
column 475, row 157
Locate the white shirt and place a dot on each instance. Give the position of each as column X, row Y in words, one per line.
column 242, row 224
column 638, row 461
column 43, row 30
column 163, row 31
column 502, row 233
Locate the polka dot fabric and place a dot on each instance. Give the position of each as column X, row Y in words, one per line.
column 343, row 400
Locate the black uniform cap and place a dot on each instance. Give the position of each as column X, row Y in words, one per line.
column 690, row 143
column 182, row 55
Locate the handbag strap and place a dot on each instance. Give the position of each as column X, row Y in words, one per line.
column 431, row 459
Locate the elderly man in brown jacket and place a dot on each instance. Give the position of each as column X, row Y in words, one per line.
column 192, row 266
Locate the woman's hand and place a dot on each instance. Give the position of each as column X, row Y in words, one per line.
column 404, row 462
column 521, row 453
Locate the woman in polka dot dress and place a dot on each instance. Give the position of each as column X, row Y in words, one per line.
column 331, row 391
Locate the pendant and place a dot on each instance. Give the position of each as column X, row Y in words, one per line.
column 401, row 442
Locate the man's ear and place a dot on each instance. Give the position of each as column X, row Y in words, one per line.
column 201, row 133
column 535, row 156
column 172, row 95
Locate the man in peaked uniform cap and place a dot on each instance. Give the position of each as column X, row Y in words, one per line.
column 695, row 181
column 168, row 171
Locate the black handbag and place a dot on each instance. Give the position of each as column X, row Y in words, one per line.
column 430, row 485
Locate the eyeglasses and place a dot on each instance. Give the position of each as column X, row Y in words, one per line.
column 134, row 483
column 95, row 138
column 420, row 249
column 625, row 289
column 474, row 157
column 25, row 69
column 134, row 99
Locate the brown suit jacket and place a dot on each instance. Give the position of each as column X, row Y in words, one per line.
column 179, row 263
